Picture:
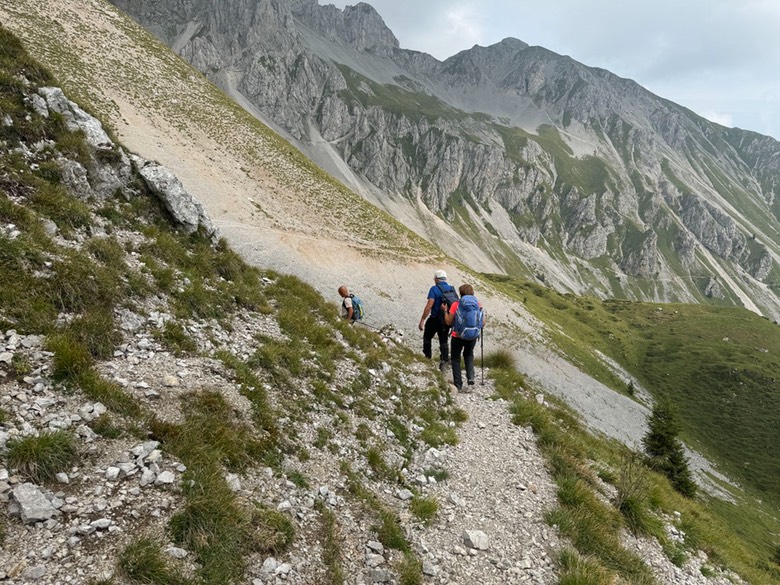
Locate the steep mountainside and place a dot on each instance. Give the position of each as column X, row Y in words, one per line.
column 171, row 415
column 536, row 163
column 167, row 370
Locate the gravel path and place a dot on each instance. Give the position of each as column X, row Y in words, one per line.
column 498, row 485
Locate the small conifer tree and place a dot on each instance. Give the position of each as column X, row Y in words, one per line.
column 665, row 451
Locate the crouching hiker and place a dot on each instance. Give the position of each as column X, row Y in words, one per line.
column 351, row 306
column 467, row 319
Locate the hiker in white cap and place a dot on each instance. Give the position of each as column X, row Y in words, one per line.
column 432, row 320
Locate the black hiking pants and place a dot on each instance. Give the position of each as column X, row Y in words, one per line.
column 435, row 326
column 467, row 347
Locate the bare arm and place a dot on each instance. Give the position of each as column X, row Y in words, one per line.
column 449, row 317
column 426, row 312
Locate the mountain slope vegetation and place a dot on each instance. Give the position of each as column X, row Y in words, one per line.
column 718, row 365
column 160, row 367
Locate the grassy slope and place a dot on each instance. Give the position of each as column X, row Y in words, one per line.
column 546, row 304
column 718, row 365
column 86, row 76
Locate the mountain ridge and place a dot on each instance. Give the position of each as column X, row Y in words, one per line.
column 624, row 153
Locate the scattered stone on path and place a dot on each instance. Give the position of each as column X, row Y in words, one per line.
column 476, row 539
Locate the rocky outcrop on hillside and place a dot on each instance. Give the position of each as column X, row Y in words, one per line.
column 108, row 166
column 577, row 157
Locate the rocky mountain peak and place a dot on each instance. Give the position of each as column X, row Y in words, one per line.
column 360, row 26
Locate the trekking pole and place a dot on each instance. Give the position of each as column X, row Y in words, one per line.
column 482, row 354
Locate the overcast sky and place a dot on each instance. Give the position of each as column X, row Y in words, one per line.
column 720, row 58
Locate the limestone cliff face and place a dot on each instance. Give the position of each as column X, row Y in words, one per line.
column 587, row 167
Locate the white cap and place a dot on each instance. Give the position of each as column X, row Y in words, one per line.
column 440, row 274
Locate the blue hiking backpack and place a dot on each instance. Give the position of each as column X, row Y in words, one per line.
column 357, row 308
column 468, row 318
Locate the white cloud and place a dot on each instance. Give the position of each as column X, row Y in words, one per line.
column 719, row 118
column 463, row 25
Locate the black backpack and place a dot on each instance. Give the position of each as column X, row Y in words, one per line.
column 448, row 296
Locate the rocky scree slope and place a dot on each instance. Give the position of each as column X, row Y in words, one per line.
column 542, row 165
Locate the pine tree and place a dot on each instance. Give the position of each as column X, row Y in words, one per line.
column 665, row 451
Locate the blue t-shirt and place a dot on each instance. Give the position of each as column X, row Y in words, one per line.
column 435, row 294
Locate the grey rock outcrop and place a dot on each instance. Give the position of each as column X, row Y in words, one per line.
column 185, row 209
column 109, row 169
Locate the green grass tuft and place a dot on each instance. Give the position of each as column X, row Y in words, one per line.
column 578, row 570
column 409, row 570
column 500, row 358
column 71, row 358
column 111, row 394
column 390, row 532
column 142, row 562
column 105, row 427
column 437, row 434
column 41, row 458
column 273, row 531
column 424, row 509
column 176, row 339
column 331, row 545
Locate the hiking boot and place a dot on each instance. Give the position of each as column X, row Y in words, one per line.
column 443, row 365
column 471, row 382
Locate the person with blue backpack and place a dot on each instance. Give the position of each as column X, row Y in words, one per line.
column 467, row 319
column 432, row 320
column 351, row 306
